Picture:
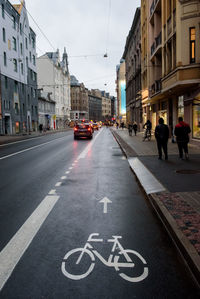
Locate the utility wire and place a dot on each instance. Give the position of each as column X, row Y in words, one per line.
column 39, row 28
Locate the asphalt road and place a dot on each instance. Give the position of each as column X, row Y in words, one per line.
column 62, row 201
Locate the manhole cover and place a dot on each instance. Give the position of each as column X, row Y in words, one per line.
column 188, row 171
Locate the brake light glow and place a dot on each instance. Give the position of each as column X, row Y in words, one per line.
column 89, row 129
column 75, row 129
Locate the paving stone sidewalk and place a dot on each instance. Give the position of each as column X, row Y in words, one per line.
column 178, row 211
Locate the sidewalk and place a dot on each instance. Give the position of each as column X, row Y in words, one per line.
column 173, row 189
column 4, row 139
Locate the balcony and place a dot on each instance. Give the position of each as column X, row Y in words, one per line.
column 156, row 45
column 155, row 7
column 156, row 87
column 169, row 26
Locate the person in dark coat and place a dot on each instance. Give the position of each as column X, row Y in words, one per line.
column 130, row 129
column 182, row 130
column 162, row 136
column 135, row 127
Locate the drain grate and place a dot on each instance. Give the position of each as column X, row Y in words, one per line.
column 188, row 171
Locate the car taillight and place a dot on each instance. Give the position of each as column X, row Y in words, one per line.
column 89, row 129
column 75, row 129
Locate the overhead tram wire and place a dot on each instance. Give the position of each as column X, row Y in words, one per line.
column 40, row 28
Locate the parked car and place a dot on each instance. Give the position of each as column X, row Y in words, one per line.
column 83, row 130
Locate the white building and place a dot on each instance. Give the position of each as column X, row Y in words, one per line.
column 18, row 77
column 53, row 77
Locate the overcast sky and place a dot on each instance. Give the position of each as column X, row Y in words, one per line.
column 85, row 28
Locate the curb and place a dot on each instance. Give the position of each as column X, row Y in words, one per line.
column 187, row 252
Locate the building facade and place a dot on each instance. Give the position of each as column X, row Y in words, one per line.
column 46, row 111
column 121, row 91
column 18, row 74
column 95, row 106
column 132, row 57
column 79, row 101
column 174, row 62
column 106, row 106
column 54, row 78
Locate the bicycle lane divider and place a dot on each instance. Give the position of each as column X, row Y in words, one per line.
column 14, row 250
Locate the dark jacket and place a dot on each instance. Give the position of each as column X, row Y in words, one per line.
column 162, row 133
column 182, row 131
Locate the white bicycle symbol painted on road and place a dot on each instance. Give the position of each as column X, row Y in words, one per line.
column 113, row 260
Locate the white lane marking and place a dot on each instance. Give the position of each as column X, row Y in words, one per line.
column 58, row 184
column 75, row 161
column 146, row 178
column 70, row 168
column 19, row 141
column 52, row 192
column 86, row 150
column 67, row 172
column 123, row 158
column 30, row 148
column 63, row 177
column 14, row 250
column 73, row 164
column 105, row 202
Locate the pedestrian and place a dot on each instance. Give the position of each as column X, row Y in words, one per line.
column 117, row 125
column 122, row 125
column 130, row 129
column 162, row 136
column 41, row 128
column 147, row 133
column 182, row 131
column 135, row 127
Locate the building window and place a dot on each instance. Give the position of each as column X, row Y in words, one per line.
column 22, row 68
column 6, row 82
column 22, row 88
column 15, row 65
column 23, row 109
column 16, row 108
column 13, row 22
column 4, row 34
column 27, row 62
column 14, row 44
column 21, row 48
column 26, row 42
column 34, row 59
column 33, row 42
column 192, row 44
column 30, row 57
column 32, row 111
column 3, row 11
column 16, row 87
column 4, row 58
column 20, row 28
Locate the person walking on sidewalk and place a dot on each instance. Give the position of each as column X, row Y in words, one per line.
column 182, row 130
column 135, row 127
column 130, row 129
column 162, row 136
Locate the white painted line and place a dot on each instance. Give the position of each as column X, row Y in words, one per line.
column 58, row 184
column 67, row 172
column 30, row 148
column 14, row 250
column 146, row 178
column 73, row 164
column 86, row 150
column 52, row 192
column 75, row 161
column 63, row 177
column 19, row 141
column 70, row 168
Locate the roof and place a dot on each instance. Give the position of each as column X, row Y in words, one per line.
column 18, row 7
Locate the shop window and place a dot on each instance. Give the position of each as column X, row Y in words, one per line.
column 181, row 106
column 192, row 44
column 196, row 119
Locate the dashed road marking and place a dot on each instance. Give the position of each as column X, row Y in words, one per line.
column 52, row 192
column 58, row 184
column 63, row 177
column 67, row 172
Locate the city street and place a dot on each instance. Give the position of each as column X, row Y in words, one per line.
column 74, row 223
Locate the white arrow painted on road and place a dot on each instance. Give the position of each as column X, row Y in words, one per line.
column 105, row 201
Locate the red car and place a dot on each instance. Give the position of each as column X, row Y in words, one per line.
column 83, row 130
